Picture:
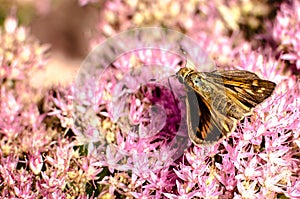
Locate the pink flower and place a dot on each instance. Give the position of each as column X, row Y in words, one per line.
column 293, row 188
column 247, row 189
column 51, row 185
column 35, row 163
column 20, row 53
column 286, row 32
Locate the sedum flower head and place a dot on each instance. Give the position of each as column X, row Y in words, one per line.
column 20, row 53
column 286, row 32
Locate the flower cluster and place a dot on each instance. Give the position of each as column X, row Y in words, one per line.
column 37, row 159
column 260, row 157
column 258, row 160
column 124, row 134
column 286, row 32
column 221, row 26
column 20, row 53
column 139, row 121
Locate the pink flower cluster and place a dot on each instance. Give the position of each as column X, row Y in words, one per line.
column 122, row 148
column 37, row 158
column 286, row 32
column 21, row 54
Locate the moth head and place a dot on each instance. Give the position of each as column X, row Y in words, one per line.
column 182, row 73
column 180, row 78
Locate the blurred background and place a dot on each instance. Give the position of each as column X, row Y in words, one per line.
column 74, row 27
column 63, row 25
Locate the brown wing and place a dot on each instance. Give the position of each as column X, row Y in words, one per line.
column 205, row 126
column 243, row 88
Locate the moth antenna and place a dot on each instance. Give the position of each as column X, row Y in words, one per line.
column 183, row 51
column 183, row 63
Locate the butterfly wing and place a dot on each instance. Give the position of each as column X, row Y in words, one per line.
column 205, row 125
column 244, row 89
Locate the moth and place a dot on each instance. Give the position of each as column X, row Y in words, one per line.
column 217, row 100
